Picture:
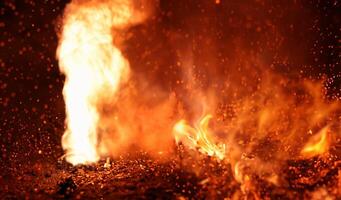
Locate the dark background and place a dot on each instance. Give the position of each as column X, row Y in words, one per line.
column 31, row 103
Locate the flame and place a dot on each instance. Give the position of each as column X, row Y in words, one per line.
column 317, row 145
column 94, row 68
column 260, row 124
column 198, row 137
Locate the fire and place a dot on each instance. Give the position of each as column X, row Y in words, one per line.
column 261, row 115
column 318, row 144
column 94, row 68
column 261, row 126
column 199, row 137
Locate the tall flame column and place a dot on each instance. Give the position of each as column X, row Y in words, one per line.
column 94, row 68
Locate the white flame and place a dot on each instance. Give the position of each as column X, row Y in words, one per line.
column 94, row 68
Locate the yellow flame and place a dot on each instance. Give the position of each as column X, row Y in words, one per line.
column 93, row 67
column 198, row 137
column 317, row 145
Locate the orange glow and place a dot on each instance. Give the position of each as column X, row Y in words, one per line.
column 259, row 127
column 198, row 138
column 176, row 81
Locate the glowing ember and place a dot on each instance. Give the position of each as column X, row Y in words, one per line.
column 198, row 138
column 94, row 69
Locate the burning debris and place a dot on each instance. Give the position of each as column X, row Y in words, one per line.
column 141, row 176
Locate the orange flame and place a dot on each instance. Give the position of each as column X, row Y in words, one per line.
column 317, row 145
column 198, row 137
column 94, row 69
